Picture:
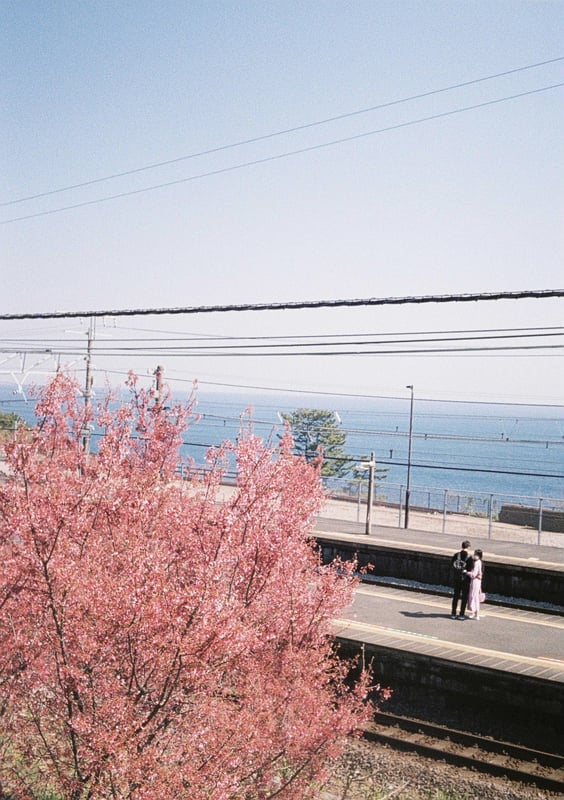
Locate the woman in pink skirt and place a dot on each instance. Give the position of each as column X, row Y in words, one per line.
column 475, row 575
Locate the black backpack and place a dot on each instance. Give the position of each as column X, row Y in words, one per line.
column 459, row 563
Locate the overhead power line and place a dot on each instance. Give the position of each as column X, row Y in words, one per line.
column 387, row 462
column 286, row 390
column 349, row 430
column 163, row 348
column 279, row 156
column 164, row 345
column 348, row 395
column 296, row 305
column 301, row 340
column 234, row 353
column 434, row 466
column 285, row 131
column 169, row 346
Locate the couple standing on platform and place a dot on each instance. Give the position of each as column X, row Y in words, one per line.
column 467, row 574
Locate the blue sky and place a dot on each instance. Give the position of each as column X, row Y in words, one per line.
column 471, row 202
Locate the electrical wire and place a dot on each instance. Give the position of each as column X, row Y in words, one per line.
column 299, row 305
column 305, row 340
column 191, row 336
column 433, row 436
column 422, row 351
column 295, row 129
column 229, row 353
column 352, row 395
column 324, row 393
column 280, row 156
column 415, row 465
column 390, row 462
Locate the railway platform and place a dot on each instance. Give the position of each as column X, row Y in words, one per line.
column 445, row 544
column 508, row 640
column 518, row 571
column 510, row 662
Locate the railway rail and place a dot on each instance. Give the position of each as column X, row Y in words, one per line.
column 484, row 754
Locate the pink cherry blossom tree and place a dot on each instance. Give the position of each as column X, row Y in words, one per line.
column 156, row 643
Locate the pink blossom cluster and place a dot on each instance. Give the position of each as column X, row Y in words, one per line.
column 156, row 643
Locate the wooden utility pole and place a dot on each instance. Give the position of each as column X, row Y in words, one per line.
column 88, row 388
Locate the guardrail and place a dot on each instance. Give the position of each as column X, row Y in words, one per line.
column 518, row 518
column 512, row 517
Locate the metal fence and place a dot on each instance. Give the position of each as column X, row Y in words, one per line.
column 519, row 518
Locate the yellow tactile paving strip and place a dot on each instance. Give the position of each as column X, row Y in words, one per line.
column 497, row 612
column 547, row 669
column 425, row 644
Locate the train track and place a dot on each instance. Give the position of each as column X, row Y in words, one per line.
column 545, row 770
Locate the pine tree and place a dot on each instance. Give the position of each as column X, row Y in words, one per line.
column 317, row 435
column 8, row 424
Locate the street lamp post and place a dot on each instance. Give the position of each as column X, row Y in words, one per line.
column 407, row 488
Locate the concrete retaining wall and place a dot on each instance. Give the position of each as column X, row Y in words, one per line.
column 523, row 582
column 488, row 696
column 527, row 515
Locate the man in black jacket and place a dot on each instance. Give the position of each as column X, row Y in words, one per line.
column 460, row 561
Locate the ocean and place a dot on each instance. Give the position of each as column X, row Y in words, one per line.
column 515, row 452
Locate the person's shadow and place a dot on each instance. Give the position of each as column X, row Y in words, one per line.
column 421, row 615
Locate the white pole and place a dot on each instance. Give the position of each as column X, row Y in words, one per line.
column 371, row 465
column 407, row 492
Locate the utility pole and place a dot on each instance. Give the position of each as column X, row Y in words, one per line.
column 88, row 388
column 370, row 499
column 158, row 373
column 407, row 488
